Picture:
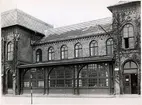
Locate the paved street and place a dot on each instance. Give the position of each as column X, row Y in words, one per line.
column 120, row 100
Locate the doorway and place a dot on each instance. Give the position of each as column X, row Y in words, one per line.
column 10, row 82
column 130, row 82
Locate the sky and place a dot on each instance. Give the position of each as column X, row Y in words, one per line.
column 61, row 12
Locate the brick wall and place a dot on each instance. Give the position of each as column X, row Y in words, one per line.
column 70, row 44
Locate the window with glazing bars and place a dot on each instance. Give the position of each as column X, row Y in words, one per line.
column 78, row 50
column 37, row 78
column 51, row 53
column 93, row 48
column 39, row 55
column 94, row 75
column 10, row 49
column 64, row 52
column 128, row 36
column 61, row 77
column 109, row 46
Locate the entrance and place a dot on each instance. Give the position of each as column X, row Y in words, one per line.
column 10, row 82
column 130, row 81
column 130, row 84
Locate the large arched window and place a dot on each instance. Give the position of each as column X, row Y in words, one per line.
column 94, row 75
column 93, row 48
column 64, row 52
column 37, row 78
column 78, row 50
column 10, row 49
column 51, row 53
column 109, row 46
column 39, row 55
column 128, row 36
column 61, row 77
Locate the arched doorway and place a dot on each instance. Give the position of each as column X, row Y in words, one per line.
column 9, row 81
column 130, row 75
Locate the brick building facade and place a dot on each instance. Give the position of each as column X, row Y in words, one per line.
column 96, row 57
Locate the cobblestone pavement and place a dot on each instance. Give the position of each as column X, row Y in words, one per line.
column 53, row 100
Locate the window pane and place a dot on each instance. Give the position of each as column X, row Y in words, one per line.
column 92, row 82
column 131, row 42
column 26, row 84
column 84, row 82
column 133, row 65
column 68, row 83
column 34, row 83
column 60, row 83
column 103, row 82
column 40, row 83
column 109, row 47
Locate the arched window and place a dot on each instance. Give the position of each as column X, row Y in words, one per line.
column 109, row 47
column 37, row 78
column 51, row 53
column 61, row 77
column 10, row 49
column 93, row 48
column 39, row 55
column 128, row 36
column 78, row 50
column 94, row 75
column 64, row 52
column 130, row 67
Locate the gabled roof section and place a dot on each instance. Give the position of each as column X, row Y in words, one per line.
column 122, row 3
column 18, row 17
column 77, row 30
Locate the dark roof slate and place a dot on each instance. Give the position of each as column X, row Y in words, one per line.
column 18, row 17
column 77, row 30
column 122, row 3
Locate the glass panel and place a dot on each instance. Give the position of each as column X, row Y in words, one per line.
column 133, row 65
column 52, row 83
column 34, row 83
column 92, row 82
column 60, row 83
column 26, row 84
column 127, row 65
column 68, row 74
column 68, row 83
column 84, row 82
column 103, row 82
column 131, row 31
column 131, row 42
column 40, row 83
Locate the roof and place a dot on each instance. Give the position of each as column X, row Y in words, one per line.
column 70, row 61
column 18, row 17
column 122, row 3
column 77, row 30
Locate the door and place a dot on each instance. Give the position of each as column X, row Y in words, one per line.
column 130, row 84
column 134, row 84
column 10, row 82
column 130, row 75
column 127, row 84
